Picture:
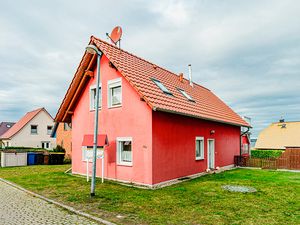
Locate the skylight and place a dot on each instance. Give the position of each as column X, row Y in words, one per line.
column 186, row 95
column 161, row 86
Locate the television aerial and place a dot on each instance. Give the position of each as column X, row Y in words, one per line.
column 115, row 36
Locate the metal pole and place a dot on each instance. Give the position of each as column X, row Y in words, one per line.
column 103, row 167
column 96, row 128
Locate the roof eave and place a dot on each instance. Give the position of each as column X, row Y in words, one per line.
column 198, row 117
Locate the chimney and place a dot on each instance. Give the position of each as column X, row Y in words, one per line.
column 181, row 77
column 190, row 75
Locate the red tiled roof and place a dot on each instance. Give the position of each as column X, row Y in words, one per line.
column 21, row 123
column 138, row 72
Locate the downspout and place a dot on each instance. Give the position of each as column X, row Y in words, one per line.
column 242, row 134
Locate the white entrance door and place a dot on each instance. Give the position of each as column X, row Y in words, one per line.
column 211, row 154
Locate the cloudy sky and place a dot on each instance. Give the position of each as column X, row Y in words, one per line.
column 247, row 52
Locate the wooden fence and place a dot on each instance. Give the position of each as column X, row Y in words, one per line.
column 290, row 159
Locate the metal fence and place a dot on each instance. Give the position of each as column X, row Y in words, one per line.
column 290, row 159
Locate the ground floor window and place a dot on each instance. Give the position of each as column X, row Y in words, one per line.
column 45, row 144
column 199, row 148
column 124, row 151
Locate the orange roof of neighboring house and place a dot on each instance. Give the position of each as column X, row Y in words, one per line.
column 139, row 72
column 21, row 123
column 279, row 135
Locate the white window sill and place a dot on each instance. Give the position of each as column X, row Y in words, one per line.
column 124, row 164
column 92, row 110
column 198, row 159
column 115, row 106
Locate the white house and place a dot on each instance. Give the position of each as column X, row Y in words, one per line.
column 32, row 130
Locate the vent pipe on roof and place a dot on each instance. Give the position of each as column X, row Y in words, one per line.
column 190, row 75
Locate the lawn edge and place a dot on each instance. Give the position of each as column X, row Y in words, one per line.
column 69, row 208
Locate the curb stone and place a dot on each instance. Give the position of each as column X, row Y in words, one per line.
column 69, row 208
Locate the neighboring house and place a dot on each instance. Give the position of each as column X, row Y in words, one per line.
column 4, row 126
column 32, row 130
column 159, row 125
column 63, row 134
column 279, row 135
column 253, row 142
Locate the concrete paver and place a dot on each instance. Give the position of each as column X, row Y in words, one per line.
column 18, row 207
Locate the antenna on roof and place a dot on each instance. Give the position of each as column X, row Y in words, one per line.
column 115, row 36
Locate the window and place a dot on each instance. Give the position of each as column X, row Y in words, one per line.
column 199, row 148
column 93, row 97
column 49, row 130
column 45, row 144
column 186, row 95
column 34, row 129
column 161, row 86
column 124, row 151
column 67, row 126
column 114, row 93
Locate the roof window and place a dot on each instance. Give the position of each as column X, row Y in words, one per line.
column 161, row 86
column 186, row 95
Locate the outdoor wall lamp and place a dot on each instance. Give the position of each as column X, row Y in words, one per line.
column 212, row 131
column 92, row 49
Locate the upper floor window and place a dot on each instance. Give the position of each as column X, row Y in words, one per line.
column 67, row 126
column 185, row 95
column 34, row 129
column 114, row 93
column 93, row 97
column 49, row 130
column 161, row 86
column 199, row 148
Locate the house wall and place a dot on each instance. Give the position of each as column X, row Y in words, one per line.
column 132, row 119
column 24, row 138
column 174, row 145
column 64, row 139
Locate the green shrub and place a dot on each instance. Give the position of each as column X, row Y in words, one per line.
column 266, row 153
column 59, row 149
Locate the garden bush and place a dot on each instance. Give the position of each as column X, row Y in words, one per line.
column 266, row 153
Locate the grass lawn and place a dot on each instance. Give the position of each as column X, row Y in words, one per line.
column 198, row 201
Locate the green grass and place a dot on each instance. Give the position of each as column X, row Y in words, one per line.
column 198, row 201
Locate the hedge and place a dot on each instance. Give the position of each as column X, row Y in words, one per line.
column 266, row 153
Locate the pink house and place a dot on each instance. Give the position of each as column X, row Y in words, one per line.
column 159, row 126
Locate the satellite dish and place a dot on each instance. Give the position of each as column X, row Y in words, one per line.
column 115, row 35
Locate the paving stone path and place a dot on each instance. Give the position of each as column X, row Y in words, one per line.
column 18, row 207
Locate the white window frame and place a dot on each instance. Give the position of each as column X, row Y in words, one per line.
column 46, row 143
column 118, row 147
column 161, row 86
column 92, row 102
column 49, row 131
column 201, row 157
column 110, row 85
column 36, row 129
column 183, row 92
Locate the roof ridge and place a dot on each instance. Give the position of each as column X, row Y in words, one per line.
column 147, row 61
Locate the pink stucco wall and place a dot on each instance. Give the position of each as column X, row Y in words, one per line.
column 132, row 119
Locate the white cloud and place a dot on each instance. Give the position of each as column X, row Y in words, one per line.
column 246, row 52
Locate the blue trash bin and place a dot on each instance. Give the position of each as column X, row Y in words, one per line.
column 31, row 158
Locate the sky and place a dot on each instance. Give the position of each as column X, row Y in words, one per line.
column 246, row 52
